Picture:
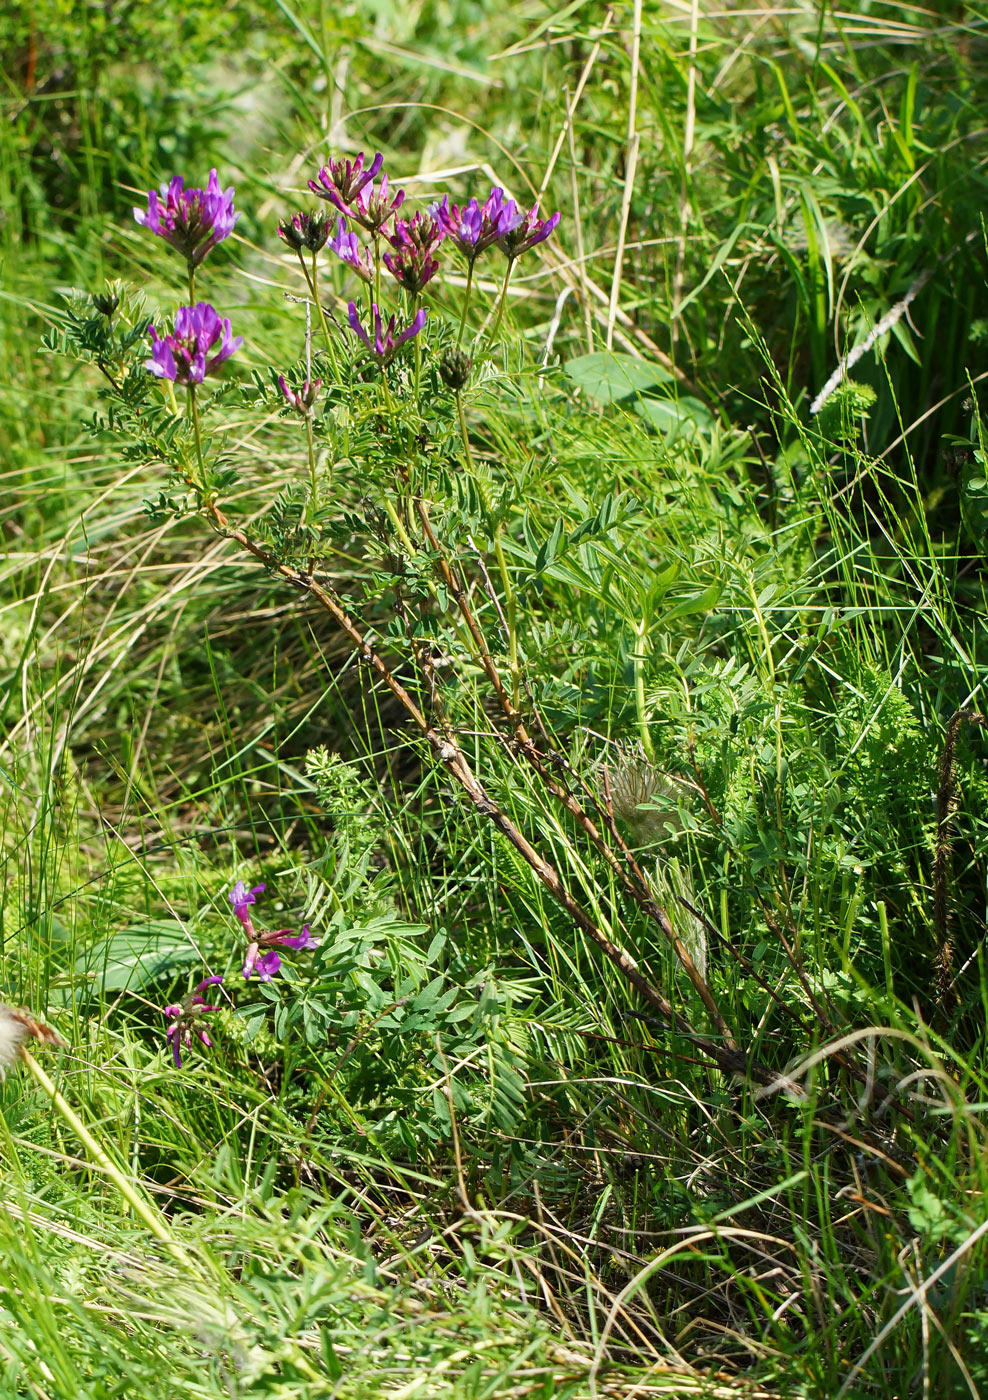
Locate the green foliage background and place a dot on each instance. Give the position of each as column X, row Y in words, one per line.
column 784, row 610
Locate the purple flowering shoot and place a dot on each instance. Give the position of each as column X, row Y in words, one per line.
column 385, row 344
column 475, row 227
column 267, row 964
column 341, row 181
column 261, row 960
column 519, row 232
column 184, row 356
column 373, row 208
column 414, row 240
column 193, row 221
column 186, row 1022
column 306, row 231
column 301, row 400
column 348, row 247
column 242, row 898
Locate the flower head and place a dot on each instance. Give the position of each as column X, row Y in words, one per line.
column 264, row 964
column 454, row 368
column 519, row 232
column 347, row 246
column 475, row 227
column 341, row 181
column 193, row 221
column 414, row 241
column 306, row 231
column 242, row 898
column 372, row 209
column 186, row 1015
column 385, row 344
column 301, row 400
column 184, row 356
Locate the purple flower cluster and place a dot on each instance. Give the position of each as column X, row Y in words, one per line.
column 264, row 964
column 411, row 256
column 299, row 399
column 184, row 356
column 415, row 241
column 495, row 223
column 306, row 231
column 186, row 1023
column 385, row 343
column 348, row 248
column 187, row 1014
column 193, row 221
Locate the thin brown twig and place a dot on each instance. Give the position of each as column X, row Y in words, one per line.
column 446, row 748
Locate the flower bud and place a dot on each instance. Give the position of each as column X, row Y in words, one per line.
column 454, row 368
column 106, row 303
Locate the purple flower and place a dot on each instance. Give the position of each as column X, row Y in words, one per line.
column 264, row 964
column 306, row 231
column 341, row 181
column 193, row 221
column 183, row 355
column 372, row 209
column 522, row 231
column 301, row 400
column 385, row 344
column 475, row 227
column 187, row 1014
column 348, row 247
column 267, row 964
column 414, row 240
column 242, row 898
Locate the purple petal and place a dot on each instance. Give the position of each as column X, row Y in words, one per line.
column 267, row 965
column 414, row 328
column 286, row 939
column 354, row 318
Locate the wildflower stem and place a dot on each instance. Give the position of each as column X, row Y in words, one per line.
column 399, row 525
column 466, row 304
column 468, row 455
column 192, row 285
column 313, row 483
column 501, row 304
column 416, row 307
column 312, row 283
column 511, row 616
column 142, row 1208
column 197, row 432
column 638, row 662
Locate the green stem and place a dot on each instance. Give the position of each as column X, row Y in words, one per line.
column 142, row 1208
column 313, row 285
column 501, row 304
column 313, row 484
column 638, row 661
column 416, row 305
column 194, row 415
column 192, row 285
column 466, row 304
column 463, row 430
column 511, row 616
column 399, row 525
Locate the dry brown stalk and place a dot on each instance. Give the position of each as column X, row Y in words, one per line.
column 627, row 870
column 443, row 742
